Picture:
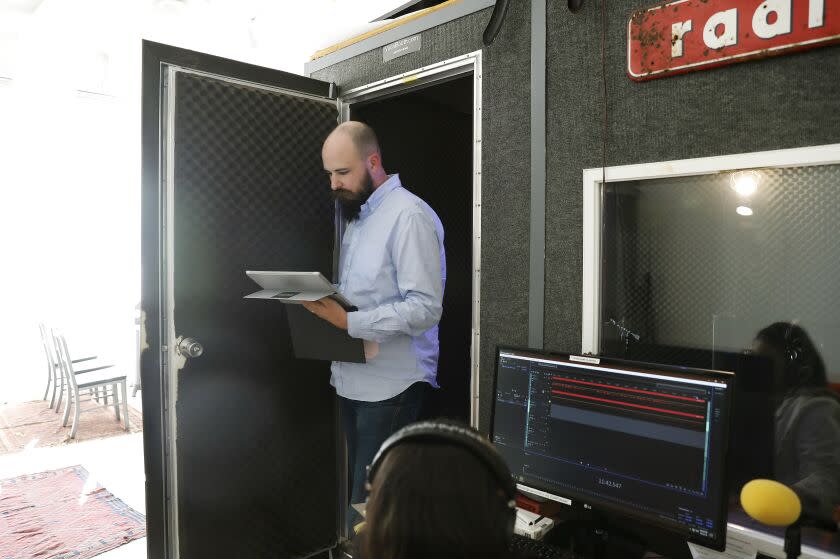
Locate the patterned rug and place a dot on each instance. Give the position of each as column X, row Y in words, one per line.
column 34, row 424
column 62, row 514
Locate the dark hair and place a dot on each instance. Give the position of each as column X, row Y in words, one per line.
column 435, row 499
column 804, row 367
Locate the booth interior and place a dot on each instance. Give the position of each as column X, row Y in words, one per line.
column 426, row 135
column 669, row 244
column 682, row 277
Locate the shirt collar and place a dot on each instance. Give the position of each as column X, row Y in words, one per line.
column 379, row 194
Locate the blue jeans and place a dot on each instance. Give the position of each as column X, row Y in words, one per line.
column 366, row 426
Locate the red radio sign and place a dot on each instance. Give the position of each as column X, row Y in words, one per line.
column 688, row 35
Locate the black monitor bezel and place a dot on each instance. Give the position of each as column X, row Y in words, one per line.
column 717, row 543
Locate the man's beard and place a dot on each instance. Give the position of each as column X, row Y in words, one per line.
column 351, row 203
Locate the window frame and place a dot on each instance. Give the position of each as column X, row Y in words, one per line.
column 593, row 225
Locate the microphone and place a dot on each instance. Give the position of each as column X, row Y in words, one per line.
column 770, row 502
column 775, row 504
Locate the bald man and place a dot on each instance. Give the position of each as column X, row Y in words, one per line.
column 393, row 268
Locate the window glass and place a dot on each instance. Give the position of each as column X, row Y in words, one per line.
column 739, row 271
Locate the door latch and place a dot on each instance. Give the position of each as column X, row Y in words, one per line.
column 188, row 347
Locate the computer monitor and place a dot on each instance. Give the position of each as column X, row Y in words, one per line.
column 752, row 421
column 633, row 440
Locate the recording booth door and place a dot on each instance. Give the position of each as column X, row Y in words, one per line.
column 240, row 437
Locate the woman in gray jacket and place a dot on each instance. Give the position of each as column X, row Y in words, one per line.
column 807, row 437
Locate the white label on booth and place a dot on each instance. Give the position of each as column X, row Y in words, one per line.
column 401, row 47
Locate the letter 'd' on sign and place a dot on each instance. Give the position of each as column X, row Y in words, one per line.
column 688, row 35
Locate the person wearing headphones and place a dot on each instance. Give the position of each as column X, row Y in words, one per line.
column 807, row 419
column 438, row 489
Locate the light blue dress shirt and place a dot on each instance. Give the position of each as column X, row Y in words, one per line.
column 393, row 268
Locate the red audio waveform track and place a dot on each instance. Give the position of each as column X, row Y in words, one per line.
column 639, row 391
column 626, row 404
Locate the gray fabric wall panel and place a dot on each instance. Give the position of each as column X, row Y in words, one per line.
column 777, row 103
column 505, row 164
column 506, row 195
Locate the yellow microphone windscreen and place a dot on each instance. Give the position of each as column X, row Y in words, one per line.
column 770, row 502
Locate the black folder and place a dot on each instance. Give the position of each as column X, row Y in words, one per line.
column 314, row 338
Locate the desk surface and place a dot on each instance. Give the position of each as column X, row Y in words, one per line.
column 812, row 537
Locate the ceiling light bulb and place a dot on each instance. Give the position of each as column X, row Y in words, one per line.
column 745, row 183
column 744, row 210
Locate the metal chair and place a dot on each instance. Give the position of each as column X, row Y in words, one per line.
column 93, row 379
column 53, row 372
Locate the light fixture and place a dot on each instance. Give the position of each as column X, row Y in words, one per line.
column 745, row 183
column 745, row 211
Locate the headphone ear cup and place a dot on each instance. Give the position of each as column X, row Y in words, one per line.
column 793, row 345
column 797, row 370
column 510, row 524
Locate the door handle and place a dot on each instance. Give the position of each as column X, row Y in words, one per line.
column 188, row 347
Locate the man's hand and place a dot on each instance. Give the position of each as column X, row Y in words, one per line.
column 328, row 309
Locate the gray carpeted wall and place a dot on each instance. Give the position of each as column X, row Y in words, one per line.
column 506, row 176
column 784, row 102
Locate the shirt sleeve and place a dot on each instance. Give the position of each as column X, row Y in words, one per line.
column 818, row 445
column 416, row 255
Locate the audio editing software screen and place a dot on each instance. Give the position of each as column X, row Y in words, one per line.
column 647, row 442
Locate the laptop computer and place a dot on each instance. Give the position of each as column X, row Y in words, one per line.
column 312, row 338
column 294, row 287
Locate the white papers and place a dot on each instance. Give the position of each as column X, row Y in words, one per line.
column 737, row 547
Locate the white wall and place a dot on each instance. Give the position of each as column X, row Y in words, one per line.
column 70, row 161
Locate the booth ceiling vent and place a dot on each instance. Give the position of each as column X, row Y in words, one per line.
column 408, row 7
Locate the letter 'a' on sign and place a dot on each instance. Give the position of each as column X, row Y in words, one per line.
column 721, row 30
column 777, row 9
column 688, row 35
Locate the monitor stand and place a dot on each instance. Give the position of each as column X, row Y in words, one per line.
column 595, row 535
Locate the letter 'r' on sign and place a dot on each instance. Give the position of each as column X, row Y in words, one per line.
column 678, row 31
